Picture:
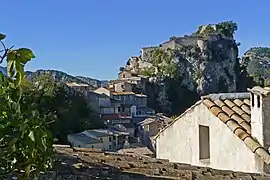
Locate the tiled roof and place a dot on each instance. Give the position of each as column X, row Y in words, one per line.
column 84, row 139
column 233, row 109
column 235, row 113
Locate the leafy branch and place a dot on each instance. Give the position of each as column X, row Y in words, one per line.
column 26, row 143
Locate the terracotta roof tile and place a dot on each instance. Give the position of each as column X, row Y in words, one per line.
column 208, row 103
column 241, row 134
column 237, row 118
column 238, row 110
column 235, row 113
column 227, row 110
column 252, row 144
column 233, row 125
column 229, row 103
column 238, row 102
column 223, row 117
column 247, row 102
column 246, row 117
column 246, row 108
column 246, row 126
column 263, row 154
column 215, row 110
column 219, row 103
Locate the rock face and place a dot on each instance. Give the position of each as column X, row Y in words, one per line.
column 206, row 62
column 256, row 64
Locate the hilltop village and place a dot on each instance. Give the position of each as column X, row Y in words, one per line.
column 188, row 108
column 226, row 130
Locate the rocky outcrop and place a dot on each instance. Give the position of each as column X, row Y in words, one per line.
column 205, row 62
column 255, row 66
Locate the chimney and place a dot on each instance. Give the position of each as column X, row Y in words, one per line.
column 260, row 114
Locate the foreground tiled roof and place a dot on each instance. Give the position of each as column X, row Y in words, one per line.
column 235, row 113
column 80, row 163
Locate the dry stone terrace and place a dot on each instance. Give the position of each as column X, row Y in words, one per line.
column 80, row 164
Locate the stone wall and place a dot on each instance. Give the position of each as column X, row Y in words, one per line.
column 85, row 164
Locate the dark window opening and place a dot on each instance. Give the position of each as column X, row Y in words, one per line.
column 204, row 142
column 252, row 99
column 259, row 101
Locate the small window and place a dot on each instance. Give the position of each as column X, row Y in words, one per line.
column 258, row 101
column 252, row 99
column 204, row 142
column 101, row 139
column 110, row 139
column 119, row 109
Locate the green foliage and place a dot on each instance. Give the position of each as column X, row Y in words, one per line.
column 25, row 143
column 226, row 28
column 69, row 108
column 257, row 65
column 163, row 64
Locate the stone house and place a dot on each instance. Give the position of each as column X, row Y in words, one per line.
column 120, row 119
column 121, row 86
column 130, row 98
column 125, row 74
column 82, row 141
column 228, row 131
column 103, row 139
column 83, row 88
column 103, row 104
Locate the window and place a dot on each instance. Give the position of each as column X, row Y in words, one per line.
column 252, row 99
column 119, row 109
column 92, row 146
column 204, row 142
column 110, row 139
column 110, row 146
column 101, row 139
column 258, row 101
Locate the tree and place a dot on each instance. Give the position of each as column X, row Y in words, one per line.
column 68, row 109
column 25, row 142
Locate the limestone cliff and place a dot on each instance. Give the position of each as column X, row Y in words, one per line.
column 255, row 66
column 201, row 63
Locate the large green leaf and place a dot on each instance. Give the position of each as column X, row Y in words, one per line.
column 25, row 55
column 2, row 36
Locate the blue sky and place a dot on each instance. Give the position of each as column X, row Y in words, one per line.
column 95, row 37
